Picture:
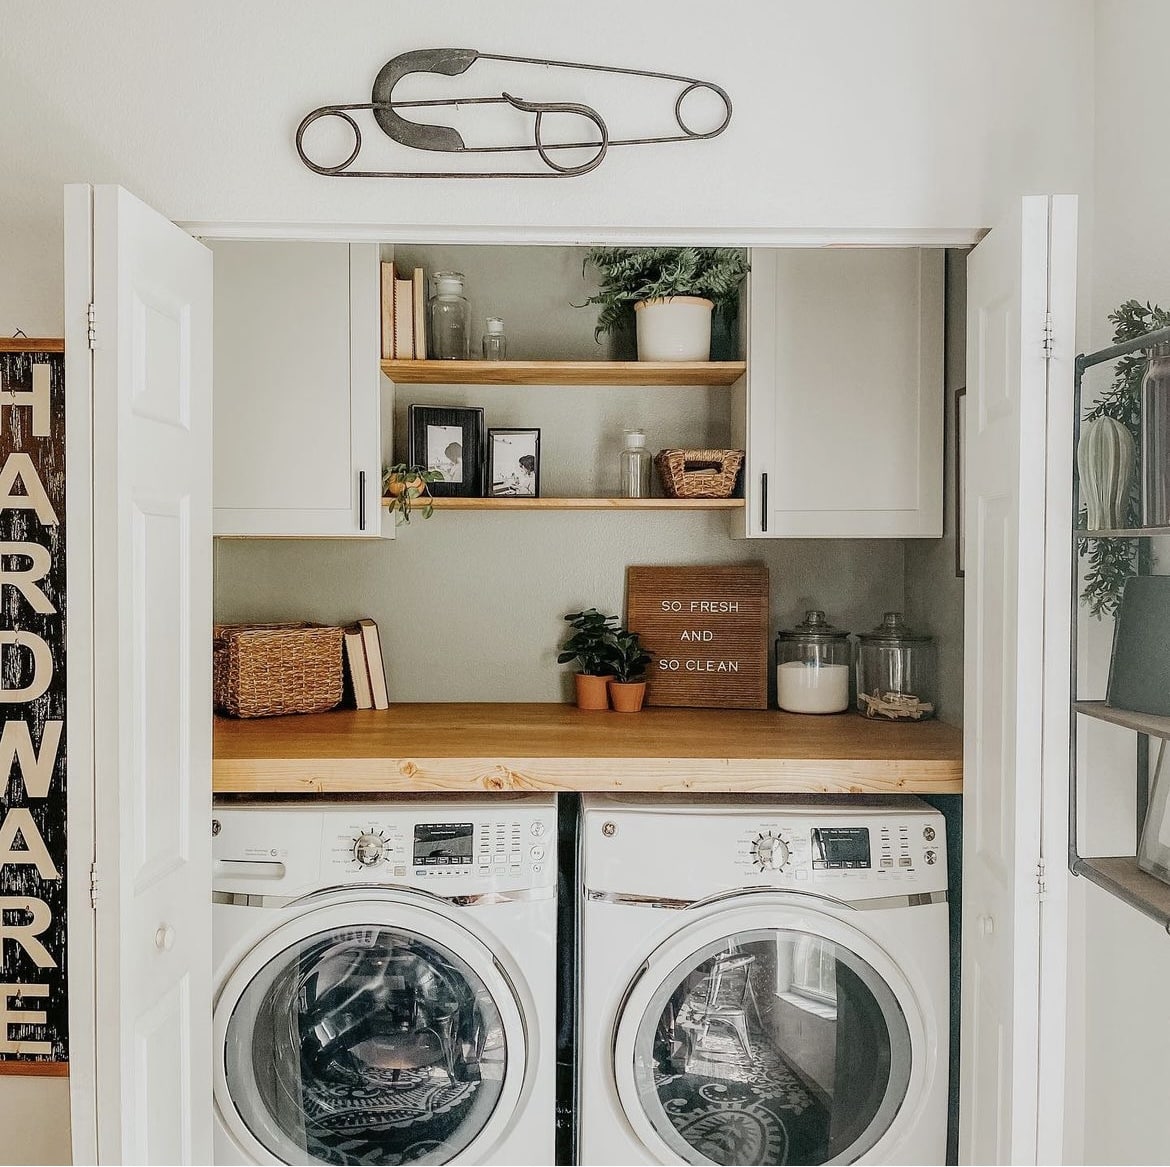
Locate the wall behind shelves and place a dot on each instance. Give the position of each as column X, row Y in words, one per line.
column 470, row 604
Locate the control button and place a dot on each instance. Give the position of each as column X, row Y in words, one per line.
column 501, row 871
column 537, row 868
column 537, row 829
column 537, row 852
column 905, row 861
column 930, row 856
column 886, row 861
column 368, row 848
column 928, row 833
column 802, row 875
column 769, row 852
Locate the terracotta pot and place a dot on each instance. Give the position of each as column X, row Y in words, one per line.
column 627, row 696
column 592, row 692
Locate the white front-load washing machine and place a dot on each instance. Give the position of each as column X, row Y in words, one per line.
column 385, row 984
column 762, row 980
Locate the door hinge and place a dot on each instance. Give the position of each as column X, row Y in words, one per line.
column 93, row 885
column 91, row 318
column 1049, row 343
column 1041, row 880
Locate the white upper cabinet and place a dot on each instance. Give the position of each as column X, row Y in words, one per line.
column 296, row 396
column 845, row 393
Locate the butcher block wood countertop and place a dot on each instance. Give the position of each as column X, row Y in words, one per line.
column 465, row 747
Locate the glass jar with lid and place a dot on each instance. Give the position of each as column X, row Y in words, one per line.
column 896, row 672
column 450, row 318
column 812, row 666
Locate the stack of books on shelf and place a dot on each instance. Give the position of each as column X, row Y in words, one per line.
column 404, row 309
column 363, row 659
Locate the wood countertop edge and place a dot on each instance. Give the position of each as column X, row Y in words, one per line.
column 694, row 775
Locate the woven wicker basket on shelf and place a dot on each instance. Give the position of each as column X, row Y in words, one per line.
column 264, row 670
column 698, row 473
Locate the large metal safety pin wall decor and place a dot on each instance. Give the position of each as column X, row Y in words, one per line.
column 446, row 139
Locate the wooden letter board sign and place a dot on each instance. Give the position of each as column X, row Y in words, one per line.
column 707, row 628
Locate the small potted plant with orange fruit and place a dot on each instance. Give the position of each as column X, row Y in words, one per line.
column 405, row 485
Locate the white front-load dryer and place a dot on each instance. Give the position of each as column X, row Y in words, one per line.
column 762, row 980
column 385, row 984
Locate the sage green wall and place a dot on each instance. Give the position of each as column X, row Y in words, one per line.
column 470, row 604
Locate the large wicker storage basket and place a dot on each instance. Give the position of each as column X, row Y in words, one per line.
column 264, row 670
column 698, row 473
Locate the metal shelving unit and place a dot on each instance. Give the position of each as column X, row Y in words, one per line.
column 1118, row 874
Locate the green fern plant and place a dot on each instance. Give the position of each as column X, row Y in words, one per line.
column 629, row 274
column 1110, row 562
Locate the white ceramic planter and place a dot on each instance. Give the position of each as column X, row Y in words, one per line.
column 674, row 329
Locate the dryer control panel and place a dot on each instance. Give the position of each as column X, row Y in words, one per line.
column 848, row 848
column 449, row 848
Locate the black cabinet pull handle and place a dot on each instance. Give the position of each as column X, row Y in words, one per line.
column 361, row 500
column 764, row 501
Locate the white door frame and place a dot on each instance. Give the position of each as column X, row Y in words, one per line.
column 80, row 664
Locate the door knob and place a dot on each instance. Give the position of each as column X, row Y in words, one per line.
column 164, row 938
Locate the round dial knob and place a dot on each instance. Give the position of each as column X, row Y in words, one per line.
column 770, row 852
column 368, row 848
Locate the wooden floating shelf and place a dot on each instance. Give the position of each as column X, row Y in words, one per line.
column 1147, row 723
column 583, row 504
column 1122, row 877
column 646, row 373
column 1124, row 533
column 502, row 747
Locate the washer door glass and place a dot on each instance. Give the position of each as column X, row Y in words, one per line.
column 365, row 1045
column 772, row 1046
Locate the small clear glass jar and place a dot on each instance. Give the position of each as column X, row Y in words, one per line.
column 812, row 666
column 494, row 343
column 896, row 672
column 634, row 466
column 450, row 318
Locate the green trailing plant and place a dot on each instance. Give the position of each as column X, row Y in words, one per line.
column 1110, row 562
column 629, row 274
column 630, row 657
column 591, row 644
column 406, row 485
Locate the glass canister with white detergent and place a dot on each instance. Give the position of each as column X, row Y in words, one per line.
column 812, row 667
column 896, row 672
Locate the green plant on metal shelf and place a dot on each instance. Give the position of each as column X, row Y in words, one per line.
column 1110, row 562
column 629, row 274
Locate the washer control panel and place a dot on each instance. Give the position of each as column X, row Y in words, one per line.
column 452, row 848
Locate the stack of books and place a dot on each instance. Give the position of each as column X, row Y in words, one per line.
column 367, row 673
column 404, row 311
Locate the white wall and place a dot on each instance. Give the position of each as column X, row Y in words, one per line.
column 847, row 113
column 1120, row 961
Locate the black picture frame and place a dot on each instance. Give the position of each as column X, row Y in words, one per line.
column 505, row 480
column 432, row 434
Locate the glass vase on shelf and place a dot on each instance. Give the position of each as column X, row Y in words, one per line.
column 450, row 318
column 1155, row 435
column 634, row 461
column 896, row 672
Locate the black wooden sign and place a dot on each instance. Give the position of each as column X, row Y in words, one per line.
column 33, row 1014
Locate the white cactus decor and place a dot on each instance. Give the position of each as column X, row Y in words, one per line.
column 1105, row 462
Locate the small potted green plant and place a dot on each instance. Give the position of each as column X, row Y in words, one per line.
column 671, row 291
column 591, row 645
column 627, row 690
column 405, row 485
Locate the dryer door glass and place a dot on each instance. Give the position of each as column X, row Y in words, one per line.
column 370, row 1044
column 771, row 1046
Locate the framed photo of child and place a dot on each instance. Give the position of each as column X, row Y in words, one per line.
column 449, row 442
column 513, row 463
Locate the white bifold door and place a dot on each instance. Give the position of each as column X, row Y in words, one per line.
column 139, row 398
column 1020, row 325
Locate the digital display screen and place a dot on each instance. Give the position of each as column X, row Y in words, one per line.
column 841, row 846
column 442, row 844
